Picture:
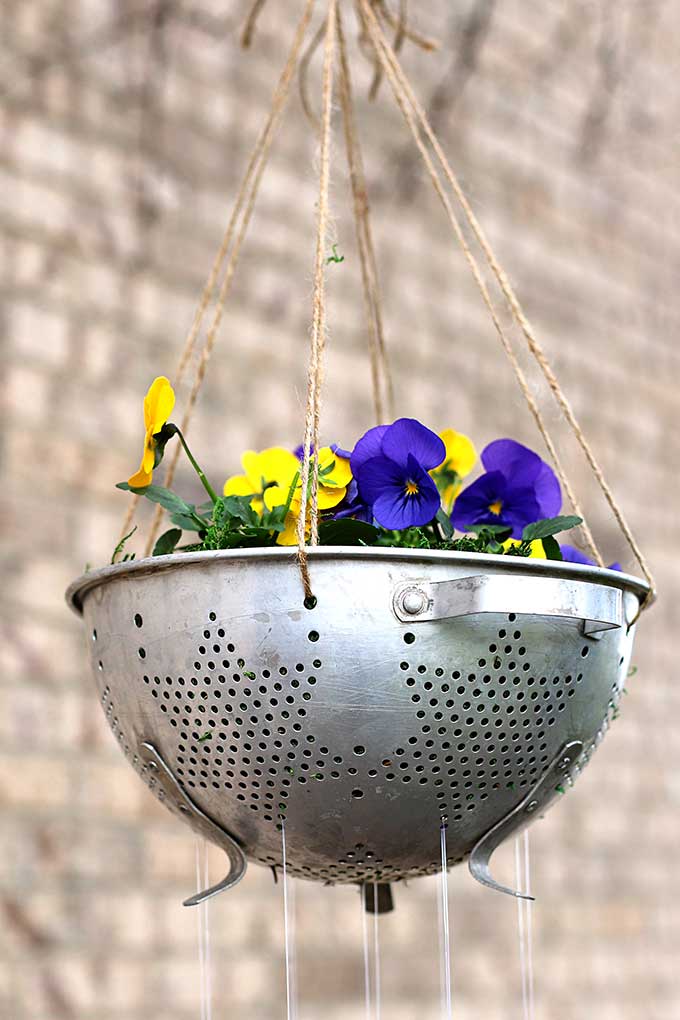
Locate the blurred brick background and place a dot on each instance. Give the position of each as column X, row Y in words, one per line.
column 124, row 128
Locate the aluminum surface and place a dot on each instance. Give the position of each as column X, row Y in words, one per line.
column 362, row 729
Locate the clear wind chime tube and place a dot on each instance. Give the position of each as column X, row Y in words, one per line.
column 289, row 931
column 528, row 907
column 523, row 880
column 445, row 934
column 202, row 882
column 367, row 960
column 376, row 951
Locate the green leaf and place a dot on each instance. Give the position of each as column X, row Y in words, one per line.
column 166, row 543
column 551, row 548
column 550, row 526
column 347, row 532
column 189, row 523
column 119, row 547
column 157, row 494
column 235, row 508
column 444, row 521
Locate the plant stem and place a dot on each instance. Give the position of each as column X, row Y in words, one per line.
column 197, row 468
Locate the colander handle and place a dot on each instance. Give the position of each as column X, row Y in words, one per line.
column 598, row 606
column 166, row 779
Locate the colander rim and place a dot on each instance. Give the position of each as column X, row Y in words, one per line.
column 83, row 585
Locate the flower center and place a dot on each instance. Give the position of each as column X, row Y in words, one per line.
column 496, row 507
column 411, row 488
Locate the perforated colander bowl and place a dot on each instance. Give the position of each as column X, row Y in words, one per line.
column 422, row 688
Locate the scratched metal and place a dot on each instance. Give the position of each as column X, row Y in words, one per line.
column 361, row 728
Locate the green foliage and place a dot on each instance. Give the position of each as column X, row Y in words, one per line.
column 119, row 548
column 551, row 548
column 347, row 532
column 549, row 527
column 335, row 257
column 167, row 543
column 236, row 525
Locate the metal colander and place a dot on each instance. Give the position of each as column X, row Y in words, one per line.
column 422, row 689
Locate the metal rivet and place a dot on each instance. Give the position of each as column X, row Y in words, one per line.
column 413, row 601
column 531, row 806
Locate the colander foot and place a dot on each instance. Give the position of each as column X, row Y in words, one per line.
column 378, row 897
column 536, row 801
column 176, row 795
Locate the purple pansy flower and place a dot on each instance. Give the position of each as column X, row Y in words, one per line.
column 570, row 554
column 353, row 506
column 516, row 489
column 390, row 464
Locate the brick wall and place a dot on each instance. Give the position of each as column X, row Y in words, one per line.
column 124, row 128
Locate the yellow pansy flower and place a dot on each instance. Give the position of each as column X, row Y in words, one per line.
column 158, row 404
column 274, row 467
column 460, row 459
column 334, row 477
column 537, row 550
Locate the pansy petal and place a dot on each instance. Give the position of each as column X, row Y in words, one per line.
column 370, row 445
column 158, row 404
column 520, row 507
column 548, row 492
column 376, row 475
column 329, row 497
column 276, row 495
column 341, row 473
column 461, row 455
column 345, row 454
column 407, row 436
column 289, row 534
column 473, row 504
column 353, row 505
column 275, row 464
column 140, row 479
column 395, row 510
column 570, row 554
column 149, row 457
column 517, row 462
column 238, row 485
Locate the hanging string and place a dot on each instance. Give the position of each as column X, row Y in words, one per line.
column 399, row 93
column 400, row 23
column 318, row 337
column 261, row 146
column 398, row 42
column 242, row 210
column 380, row 374
column 402, row 30
column 251, row 22
column 410, row 106
column 303, row 75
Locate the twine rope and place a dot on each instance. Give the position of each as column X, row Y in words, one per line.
column 318, row 332
column 380, row 373
column 251, row 23
column 401, row 99
column 400, row 82
column 246, row 197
